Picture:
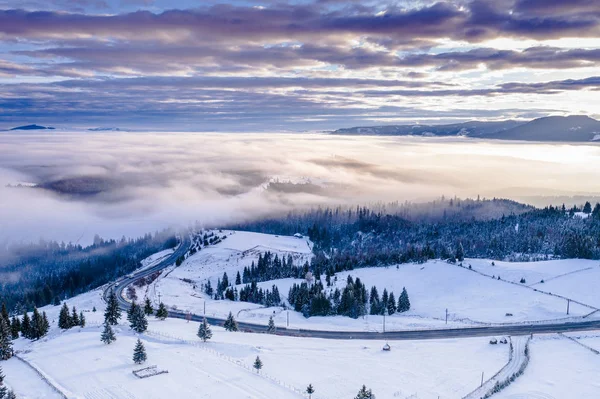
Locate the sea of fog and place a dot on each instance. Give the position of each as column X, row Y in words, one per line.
column 148, row 181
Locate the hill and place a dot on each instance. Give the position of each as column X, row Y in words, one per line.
column 574, row 128
column 32, row 127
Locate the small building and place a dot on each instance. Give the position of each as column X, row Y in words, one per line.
column 493, row 341
column 387, row 347
column 298, row 235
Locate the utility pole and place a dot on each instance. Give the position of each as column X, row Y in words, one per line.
column 446, row 315
column 383, row 321
column 288, row 318
column 481, row 379
column 159, row 302
column 568, row 303
column 204, row 308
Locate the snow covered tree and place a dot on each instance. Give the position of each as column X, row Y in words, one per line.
column 204, row 332
column 460, row 252
column 230, row 324
column 6, row 348
column 271, row 328
column 15, row 327
column 403, row 301
column 131, row 311
column 148, row 309
column 162, row 312
column 64, row 318
column 39, row 325
column 139, row 353
column 587, row 208
column 81, row 319
column 391, row 305
column 11, row 395
column 112, row 314
column 4, row 314
column 258, row 364
column 3, row 389
column 26, row 326
column 310, row 390
column 108, row 335
column 138, row 321
column 74, row 318
column 363, row 393
column 238, row 278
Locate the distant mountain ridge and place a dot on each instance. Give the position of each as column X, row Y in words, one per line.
column 32, row 127
column 575, row 128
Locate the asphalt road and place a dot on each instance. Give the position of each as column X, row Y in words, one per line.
column 513, row 330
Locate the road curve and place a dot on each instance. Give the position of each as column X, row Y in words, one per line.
column 515, row 329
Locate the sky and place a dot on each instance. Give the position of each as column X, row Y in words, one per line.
column 282, row 66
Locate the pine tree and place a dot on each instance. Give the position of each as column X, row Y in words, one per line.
column 45, row 324
column 139, row 353
column 15, row 327
column 64, row 318
column 271, row 329
column 11, row 395
column 3, row 389
column 81, row 319
column 403, row 301
column 162, row 312
column 26, row 326
column 230, row 324
column 204, row 332
column 112, row 313
column 6, row 348
column 74, row 318
column 138, row 321
column 310, row 390
column 131, row 311
column 364, row 394
column 460, row 252
column 39, row 325
column 94, row 309
column 391, row 304
column 5, row 315
column 258, row 364
column 238, row 278
column 148, row 307
column 108, row 335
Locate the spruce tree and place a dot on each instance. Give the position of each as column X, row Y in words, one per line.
column 230, row 324
column 11, row 395
column 403, row 301
column 148, row 309
column 108, row 335
column 363, row 393
column 15, row 327
column 391, row 304
column 271, row 328
column 131, row 311
column 64, row 318
column 258, row 364
column 238, row 278
column 26, row 326
column 39, row 325
column 81, row 319
column 138, row 321
column 6, row 348
column 162, row 312
column 460, row 252
column 3, row 389
column 74, row 318
column 310, row 390
column 45, row 324
column 112, row 314
column 204, row 332
column 139, row 353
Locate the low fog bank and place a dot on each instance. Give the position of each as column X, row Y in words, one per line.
column 115, row 183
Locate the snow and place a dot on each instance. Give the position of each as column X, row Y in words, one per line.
column 26, row 383
column 154, row 259
column 472, row 297
column 558, row 368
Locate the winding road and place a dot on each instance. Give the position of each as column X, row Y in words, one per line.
column 512, row 330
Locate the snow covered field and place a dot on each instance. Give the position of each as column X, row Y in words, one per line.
column 472, row 297
column 558, row 369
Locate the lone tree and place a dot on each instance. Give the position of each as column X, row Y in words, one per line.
column 148, row 309
column 139, row 353
column 204, row 331
column 162, row 312
column 271, row 329
column 365, row 394
column 108, row 335
column 258, row 364
column 310, row 390
column 230, row 324
column 64, row 318
column 112, row 314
